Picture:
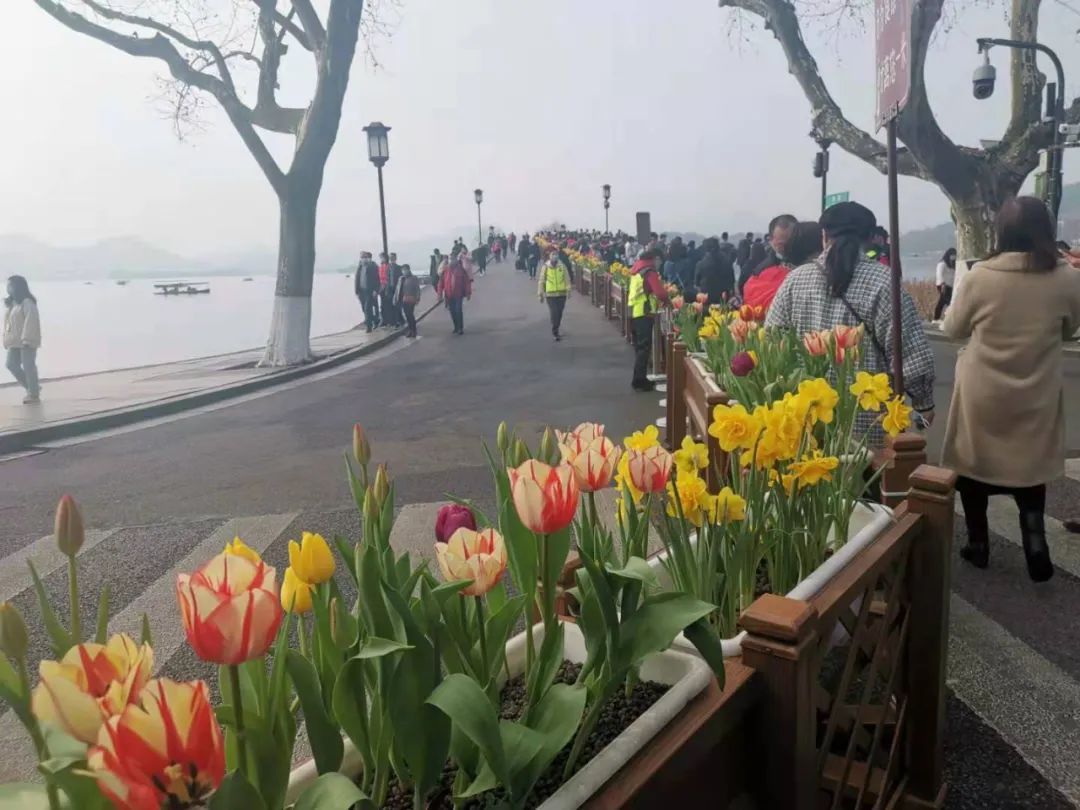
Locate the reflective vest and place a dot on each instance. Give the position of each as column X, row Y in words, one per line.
column 555, row 280
column 640, row 302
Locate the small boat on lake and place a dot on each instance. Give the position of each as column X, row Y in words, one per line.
column 121, row 283
column 182, row 288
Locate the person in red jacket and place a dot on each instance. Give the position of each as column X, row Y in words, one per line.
column 454, row 287
column 803, row 245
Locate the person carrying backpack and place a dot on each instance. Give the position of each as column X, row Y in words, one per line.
column 408, row 296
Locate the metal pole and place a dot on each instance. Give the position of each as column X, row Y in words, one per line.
column 607, row 228
column 382, row 214
column 894, row 263
column 479, row 225
column 824, row 185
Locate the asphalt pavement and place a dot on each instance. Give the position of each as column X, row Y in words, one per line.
column 160, row 498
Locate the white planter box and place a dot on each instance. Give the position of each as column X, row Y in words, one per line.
column 867, row 523
column 687, row 676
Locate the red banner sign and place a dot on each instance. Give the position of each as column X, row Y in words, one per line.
column 892, row 29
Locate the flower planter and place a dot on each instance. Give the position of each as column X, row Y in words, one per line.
column 701, row 393
column 586, row 282
column 686, row 675
column 868, row 522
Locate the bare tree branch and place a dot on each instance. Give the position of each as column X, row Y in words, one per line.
column 312, row 26
column 288, row 26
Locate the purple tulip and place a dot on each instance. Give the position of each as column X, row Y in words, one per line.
column 452, row 517
column 742, row 364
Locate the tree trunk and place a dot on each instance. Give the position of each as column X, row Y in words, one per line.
column 974, row 219
column 290, row 327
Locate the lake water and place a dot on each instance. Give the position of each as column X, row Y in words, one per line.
column 103, row 325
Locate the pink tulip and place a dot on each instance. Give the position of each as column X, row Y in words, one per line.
column 452, row 517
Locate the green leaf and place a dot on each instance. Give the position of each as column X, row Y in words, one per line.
column 635, row 570
column 548, row 660
column 10, row 684
column 375, row 613
column 278, row 686
column 526, row 754
column 376, row 647
column 236, row 791
column 702, row 635
column 558, row 548
column 347, row 552
column 333, row 791
column 555, row 720
column 61, row 639
column 145, row 636
column 20, row 796
column 522, row 547
column 461, row 699
column 498, row 628
column 102, row 634
column 350, row 703
column 656, row 623
column 326, row 744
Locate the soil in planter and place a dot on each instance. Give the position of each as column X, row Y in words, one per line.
column 619, row 713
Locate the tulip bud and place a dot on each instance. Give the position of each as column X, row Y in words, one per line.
column 68, row 529
column 520, row 453
column 547, row 445
column 360, row 446
column 14, row 640
column 502, row 438
column 370, row 507
column 381, row 488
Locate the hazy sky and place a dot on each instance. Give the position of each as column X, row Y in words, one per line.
column 537, row 102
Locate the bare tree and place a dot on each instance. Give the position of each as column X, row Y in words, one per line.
column 204, row 53
column 976, row 181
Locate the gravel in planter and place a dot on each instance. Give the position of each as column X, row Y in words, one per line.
column 616, row 717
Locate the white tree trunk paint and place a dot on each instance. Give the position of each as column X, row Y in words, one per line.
column 289, row 343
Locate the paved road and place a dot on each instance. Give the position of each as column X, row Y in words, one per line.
column 162, row 498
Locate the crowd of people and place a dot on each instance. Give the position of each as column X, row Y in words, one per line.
column 1006, row 424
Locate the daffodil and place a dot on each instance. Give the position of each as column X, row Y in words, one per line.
column 691, row 457
column 897, row 417
column 872, row 390
column 643, row 439
column 734, row 428
column 693, row 497
column 814, row 469
column 820, row 400
column 725, row 507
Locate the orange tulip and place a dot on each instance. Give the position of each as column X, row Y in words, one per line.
column 848, row 337
column 739, row 330
column 166, row 750
column 91, row 683
column 752, row 313
column 230, row 609
column 593, row 465
column 649, row 469
column 476, row 556
column 817, row 343
column 546, row 498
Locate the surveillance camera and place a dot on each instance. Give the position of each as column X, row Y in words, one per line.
column 982, row 81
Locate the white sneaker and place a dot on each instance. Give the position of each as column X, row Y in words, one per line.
column 29, row 400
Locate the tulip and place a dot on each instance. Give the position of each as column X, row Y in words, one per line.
column 547, row 445
column 698, row 307
column 452, row 517
column 295, row 593
column 361, row 447
column 702, row 298
column 739, row 330
column 848, row 337
column 545, row 497
column 649, row 469
column 502, row 438
column 476, row 556
column 311, row 558
column 742, row 363
column 166, row 750
column 817, row 343
column 230, row 609
column 520, row 453
column 594, row 464
column 751, row 313
column 14, row 639
column 381, row 489
column 241, row 549
column 90, row 684
column 677, row 303
column 580, row 437
column 69, row 531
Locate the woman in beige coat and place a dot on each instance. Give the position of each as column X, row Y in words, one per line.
column 1006, row 428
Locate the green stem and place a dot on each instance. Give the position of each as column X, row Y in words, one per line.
column 484, row 670
column 241, row 732
column 73, row 597
column 302, row 634
column 418, row 798
column 382, row 779
column 586, row 729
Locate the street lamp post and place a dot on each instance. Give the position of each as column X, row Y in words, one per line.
column 607, row 205
column 983, row 86
column 821, row 168
column 378, row 146
column 479, row 195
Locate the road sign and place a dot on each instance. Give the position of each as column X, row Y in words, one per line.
column 892, row 28
column 838, row 197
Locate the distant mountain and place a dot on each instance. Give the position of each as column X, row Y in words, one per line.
column 118, row 257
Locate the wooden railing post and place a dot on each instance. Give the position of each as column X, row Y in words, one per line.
column 932, row 496
column 779, row 644
column 676, row 394
column 657, row 358
column 902, row 455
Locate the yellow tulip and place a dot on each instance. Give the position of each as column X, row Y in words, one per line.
column 295, row 593
column 311, row 559
column 90, row 684
column 238, row 548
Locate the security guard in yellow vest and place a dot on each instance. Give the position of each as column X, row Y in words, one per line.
column 644, row 297
column 554, row 287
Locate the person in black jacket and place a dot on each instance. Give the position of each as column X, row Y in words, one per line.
column 366, row 286
column 742, row 252
column 714, row 275
column 436, row 263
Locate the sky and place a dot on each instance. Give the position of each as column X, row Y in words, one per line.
column 538, row 103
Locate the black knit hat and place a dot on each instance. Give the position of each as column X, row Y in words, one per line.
column 848, row 219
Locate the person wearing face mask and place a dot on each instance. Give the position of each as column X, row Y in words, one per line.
column 22, row 336
column 554, row 287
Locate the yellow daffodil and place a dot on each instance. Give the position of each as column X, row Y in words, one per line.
column 295, row 593
column 897, row 417
column 726, row 507
column 691, row 457
column 734, row 428
column 873, row 390
column 709, row 329
column 643, row 439
column 814, row 469
column 693, row 496
column 820, row 400
column 239, row 548
column 311, row 558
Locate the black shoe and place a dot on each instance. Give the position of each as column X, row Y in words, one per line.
column 1036, row 551
column 978, row 554
column 644, row 387
column 1072, row 525
column 557, row 337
